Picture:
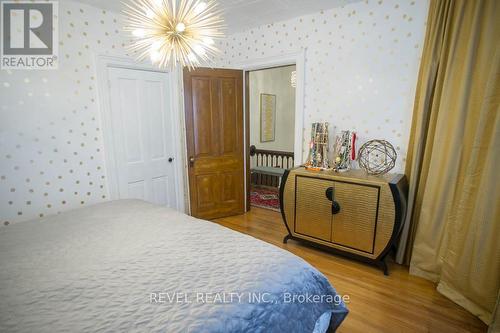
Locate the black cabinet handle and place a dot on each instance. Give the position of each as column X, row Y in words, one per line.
column 335, row 207
column 330, row 195
column 170, row 159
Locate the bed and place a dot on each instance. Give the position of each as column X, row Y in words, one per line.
column 128, row 265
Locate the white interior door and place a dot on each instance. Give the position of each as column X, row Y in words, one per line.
column 143, row 142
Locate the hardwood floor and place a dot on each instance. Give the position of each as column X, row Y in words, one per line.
column 395, row 303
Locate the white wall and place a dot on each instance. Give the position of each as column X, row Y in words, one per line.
column 51, row 150
column 275, row 81
column 361, row 65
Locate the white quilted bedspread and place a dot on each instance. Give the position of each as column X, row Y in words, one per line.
column 97, row 269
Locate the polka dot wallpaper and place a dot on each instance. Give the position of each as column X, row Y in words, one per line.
column 51, row 152
column 361, row 67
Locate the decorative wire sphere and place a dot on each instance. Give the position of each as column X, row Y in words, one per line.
column 377, row 157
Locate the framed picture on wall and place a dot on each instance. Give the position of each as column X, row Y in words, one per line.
column 267, row 117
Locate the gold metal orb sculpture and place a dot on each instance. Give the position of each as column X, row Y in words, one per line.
column 377, row 157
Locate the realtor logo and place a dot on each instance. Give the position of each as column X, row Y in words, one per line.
column 29, row 34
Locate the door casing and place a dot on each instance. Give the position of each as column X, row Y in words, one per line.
column 297, row 58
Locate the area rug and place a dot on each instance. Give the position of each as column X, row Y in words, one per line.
column 265, row 198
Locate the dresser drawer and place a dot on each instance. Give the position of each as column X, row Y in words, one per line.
column 313, row 210
column 355, row 224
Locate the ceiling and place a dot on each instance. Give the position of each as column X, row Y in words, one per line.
column 243, row 14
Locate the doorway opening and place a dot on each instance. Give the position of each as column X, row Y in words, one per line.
column 270, row 97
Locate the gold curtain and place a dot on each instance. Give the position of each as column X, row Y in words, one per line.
column 453, row 160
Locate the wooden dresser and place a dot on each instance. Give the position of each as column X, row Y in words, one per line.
column 350, row 213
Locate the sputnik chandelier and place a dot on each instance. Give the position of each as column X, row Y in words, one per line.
column 172, row 32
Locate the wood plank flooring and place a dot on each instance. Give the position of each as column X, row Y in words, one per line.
column 395, row 303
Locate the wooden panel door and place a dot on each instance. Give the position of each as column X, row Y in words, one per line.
column 214, row 132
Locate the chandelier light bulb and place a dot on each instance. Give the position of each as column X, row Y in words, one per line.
column 155, row 56
column 200, row 7
column 293, row 79
column 180, row 27
column 156, row 46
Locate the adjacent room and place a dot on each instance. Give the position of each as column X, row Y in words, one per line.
column 249, row 166
column 271, row 100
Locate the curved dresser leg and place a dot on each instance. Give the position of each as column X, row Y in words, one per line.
column 383, row 265
column 287, row 237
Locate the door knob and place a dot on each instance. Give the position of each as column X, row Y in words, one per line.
column 191, row 161
column 170, row 159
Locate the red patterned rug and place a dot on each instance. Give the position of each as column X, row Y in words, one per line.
column 265, row 198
